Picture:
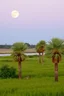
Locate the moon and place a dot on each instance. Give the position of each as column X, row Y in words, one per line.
column 15, row 14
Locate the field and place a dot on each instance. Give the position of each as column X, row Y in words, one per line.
column 37, row 79
column 7, row 51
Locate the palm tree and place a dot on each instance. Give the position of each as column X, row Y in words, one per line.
column 55, row 47
column 18, row 49
column 40, row 48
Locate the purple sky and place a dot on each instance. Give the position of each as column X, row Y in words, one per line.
column 38, row 20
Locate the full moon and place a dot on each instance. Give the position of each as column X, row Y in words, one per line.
column 15, row 14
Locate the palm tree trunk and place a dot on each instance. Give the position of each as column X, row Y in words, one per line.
column 56, row 71
column 19, row 67
column 19, row 70
column 39, row 58
column 42, row 57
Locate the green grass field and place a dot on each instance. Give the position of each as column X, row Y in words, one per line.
column 37, row 79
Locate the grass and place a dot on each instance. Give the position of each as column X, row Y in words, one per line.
column 37, row 79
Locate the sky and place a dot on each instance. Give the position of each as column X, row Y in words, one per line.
column 38, row 20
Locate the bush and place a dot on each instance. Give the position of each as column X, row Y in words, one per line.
column 6, row 72
column 12, row 72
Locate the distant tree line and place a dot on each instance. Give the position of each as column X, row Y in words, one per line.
column 6, row 46
column 30, row 45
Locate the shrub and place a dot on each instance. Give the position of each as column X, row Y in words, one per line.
column 12, row 72
column 6, row 72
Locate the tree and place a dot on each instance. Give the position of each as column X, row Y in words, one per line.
column 40, row 48
column 18, row 50
column 55, row 47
